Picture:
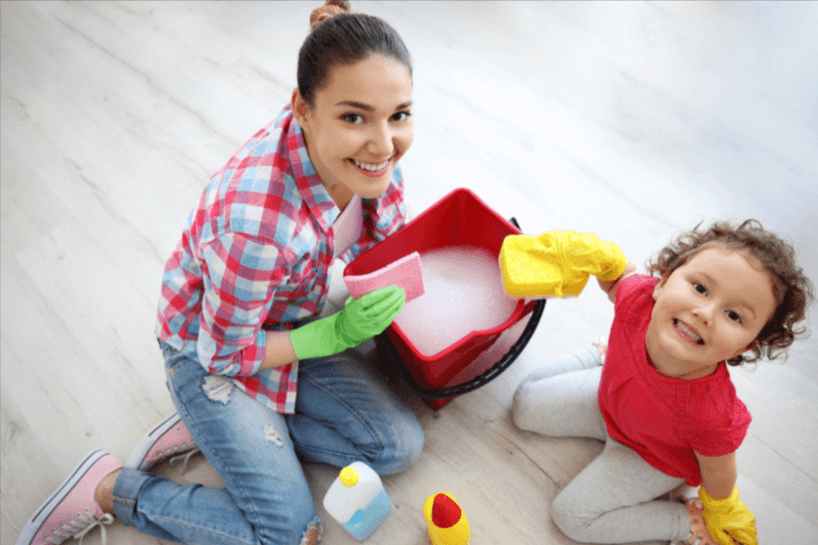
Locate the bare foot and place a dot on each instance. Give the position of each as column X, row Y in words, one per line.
column 699, row 535
column 312, row 536
column 602, row 348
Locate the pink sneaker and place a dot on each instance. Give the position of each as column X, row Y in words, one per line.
column 168, row 439
column 71, row 511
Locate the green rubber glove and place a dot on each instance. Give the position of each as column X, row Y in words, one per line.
column 361, row 319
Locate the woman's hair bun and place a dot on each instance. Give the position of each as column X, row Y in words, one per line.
column 330, row 9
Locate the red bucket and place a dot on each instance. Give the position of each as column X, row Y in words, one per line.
column 458, row 219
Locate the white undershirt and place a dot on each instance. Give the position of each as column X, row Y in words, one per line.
column 348, row 227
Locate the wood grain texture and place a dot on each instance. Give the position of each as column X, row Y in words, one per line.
column 632, row 120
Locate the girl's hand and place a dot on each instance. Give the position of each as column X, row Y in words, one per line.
column 729, row 520
column 557, row 263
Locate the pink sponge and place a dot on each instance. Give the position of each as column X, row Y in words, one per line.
column 405, row 273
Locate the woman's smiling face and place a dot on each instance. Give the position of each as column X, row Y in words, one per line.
column 707, row 311
column 358, row 127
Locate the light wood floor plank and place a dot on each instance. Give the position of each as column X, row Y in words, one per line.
column 633, row 120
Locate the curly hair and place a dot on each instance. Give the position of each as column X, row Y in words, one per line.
column 792, row 290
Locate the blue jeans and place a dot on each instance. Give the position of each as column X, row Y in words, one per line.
column 343, row 413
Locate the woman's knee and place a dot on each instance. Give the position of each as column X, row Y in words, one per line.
column 399, row 451
column 412, row 444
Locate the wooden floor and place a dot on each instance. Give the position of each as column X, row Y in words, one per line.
column 631, row 120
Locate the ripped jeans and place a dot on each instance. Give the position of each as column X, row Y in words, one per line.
column 343, row 414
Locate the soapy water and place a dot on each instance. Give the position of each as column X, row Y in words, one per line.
column 463, row 293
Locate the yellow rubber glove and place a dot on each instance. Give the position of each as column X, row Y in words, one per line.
column 557, row 263
column 728, row 515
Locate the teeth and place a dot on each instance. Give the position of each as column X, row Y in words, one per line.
column 689, row 332
column 370, row 167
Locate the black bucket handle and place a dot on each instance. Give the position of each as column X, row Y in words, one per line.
column 486, row 376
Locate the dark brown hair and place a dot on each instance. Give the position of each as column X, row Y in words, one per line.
column 340, row 37
column 792, row 290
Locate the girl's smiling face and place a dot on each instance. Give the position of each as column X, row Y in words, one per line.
column 358, row 127
column 708, row 310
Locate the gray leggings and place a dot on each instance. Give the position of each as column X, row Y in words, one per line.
column 612, row 500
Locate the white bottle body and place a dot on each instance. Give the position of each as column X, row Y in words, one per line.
column 359, row 508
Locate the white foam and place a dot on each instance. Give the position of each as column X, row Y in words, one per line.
column 463, row 293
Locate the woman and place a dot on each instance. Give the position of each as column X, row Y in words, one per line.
column 260, row 383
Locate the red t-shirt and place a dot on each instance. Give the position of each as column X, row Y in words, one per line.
column 663, row 419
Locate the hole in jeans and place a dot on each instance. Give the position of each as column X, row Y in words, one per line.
column 313, row 533
column 272, row 435
column 217, row 388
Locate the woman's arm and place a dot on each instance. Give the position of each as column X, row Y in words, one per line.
column 279, row 350
column 718, row 474
column 239, row 270
column 610, row 287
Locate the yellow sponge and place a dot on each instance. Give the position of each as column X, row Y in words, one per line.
column 557, row 263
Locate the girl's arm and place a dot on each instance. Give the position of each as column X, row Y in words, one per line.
column 718, row 474
column 610, row 287
column 727, row 518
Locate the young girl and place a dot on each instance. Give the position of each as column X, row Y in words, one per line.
column 261, row 385
column 663, row 402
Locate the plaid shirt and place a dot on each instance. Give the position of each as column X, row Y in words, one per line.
column 255, row 255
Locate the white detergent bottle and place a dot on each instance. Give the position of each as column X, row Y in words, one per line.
column 357, row 500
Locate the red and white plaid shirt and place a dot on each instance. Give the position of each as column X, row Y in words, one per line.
column 255, row 255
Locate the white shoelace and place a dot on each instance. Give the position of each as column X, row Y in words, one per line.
column 185, row 458
column 77, row 528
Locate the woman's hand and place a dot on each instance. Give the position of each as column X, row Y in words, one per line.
column 360, row 320
column 371, row 314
